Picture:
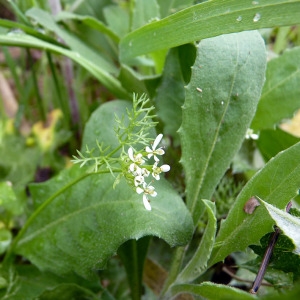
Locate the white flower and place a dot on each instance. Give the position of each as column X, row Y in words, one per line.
column 138, row 180
column 251, row 135
column 154, row 151
column 157, row 170
column 146, row 190
column 145, row 172
column 136, row 161
column 138, row 158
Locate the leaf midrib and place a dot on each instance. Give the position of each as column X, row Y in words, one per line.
column 199, row 186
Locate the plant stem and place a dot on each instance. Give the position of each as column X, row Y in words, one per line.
column 264, row 264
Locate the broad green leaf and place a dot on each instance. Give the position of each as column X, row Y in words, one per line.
column 221, row 99
column 208, row 19
column 276, row 183
column 23, row 40
column 83, row 220
column 144, row 12
column 101, row 126
column 47, row 21
column 271, row 142
column 89, row 21
column 212, row 291
column 281, row 92
column 198, row 262
column 289, row 224
column 83, row 226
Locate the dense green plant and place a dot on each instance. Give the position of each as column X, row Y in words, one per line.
column 107, row 89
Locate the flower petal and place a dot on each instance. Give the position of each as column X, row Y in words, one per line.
column 146, row 202
column 156, row 176
column 130, row 153
column 165, row 168
column 139, row 190
column 157, row 141
column 139, row 180
column 148, row 149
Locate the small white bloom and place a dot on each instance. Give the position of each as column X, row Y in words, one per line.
column 146, row 190
column 138, row 158
column 145, row 172
column 251, row 135
column 153, row 152
column 138, row 180
column 135, row 169
column 157, row 170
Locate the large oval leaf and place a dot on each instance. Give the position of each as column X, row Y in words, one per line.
column 82, row 220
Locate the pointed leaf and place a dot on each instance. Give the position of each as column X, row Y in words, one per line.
column 198, row 262
column 221, row 99
column 289, row 224
column 208, row 19
column 276, row 183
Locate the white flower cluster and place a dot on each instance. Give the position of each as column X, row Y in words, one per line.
column 140, row 171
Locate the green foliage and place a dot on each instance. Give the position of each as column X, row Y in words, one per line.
column 276, row 187
column 101, row 91
column 218, row 109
